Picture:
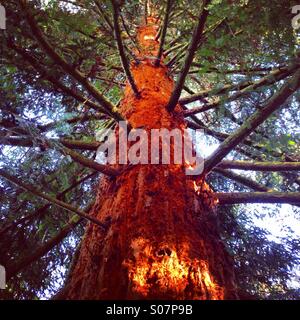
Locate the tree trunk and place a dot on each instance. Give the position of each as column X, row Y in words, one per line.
column 163, row 241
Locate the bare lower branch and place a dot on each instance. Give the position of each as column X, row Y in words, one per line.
column 260, row 165
column 72, row 144
column 292, row 198
column 244, row 70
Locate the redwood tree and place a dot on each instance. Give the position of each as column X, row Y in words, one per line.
column 152, row 232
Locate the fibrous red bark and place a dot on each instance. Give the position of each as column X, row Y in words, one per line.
column 162, row 242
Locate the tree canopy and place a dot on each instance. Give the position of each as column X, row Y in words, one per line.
column 63, row 68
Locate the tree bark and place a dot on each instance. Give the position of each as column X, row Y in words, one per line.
column 163, row 240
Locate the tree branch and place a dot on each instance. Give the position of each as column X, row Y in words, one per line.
column 72, row 144
column 260, row 165
column 123, row 57
column 292, row 198
column 132, row 40
column 42, row 210
column 170, row 50
column 244, row 70
column 177, row 56
column 47, row 75
column 221, row 136
column 163, row 33
column 103, row 15
column 15, row 267
column 107, row 105
column 242, row 180
column 55, row 201
column 244, row 87
column 197, row 35
column 90, row 163
column 62, row 147
column 253, row 122
column 82, row 118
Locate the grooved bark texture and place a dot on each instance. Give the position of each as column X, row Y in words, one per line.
column 163, row 241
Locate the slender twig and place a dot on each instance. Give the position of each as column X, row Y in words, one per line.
column 244, row 70
column 85, row 117
column 179, row 54
column 170, row 50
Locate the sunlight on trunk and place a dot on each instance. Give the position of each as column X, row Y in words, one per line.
column 169, row 273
